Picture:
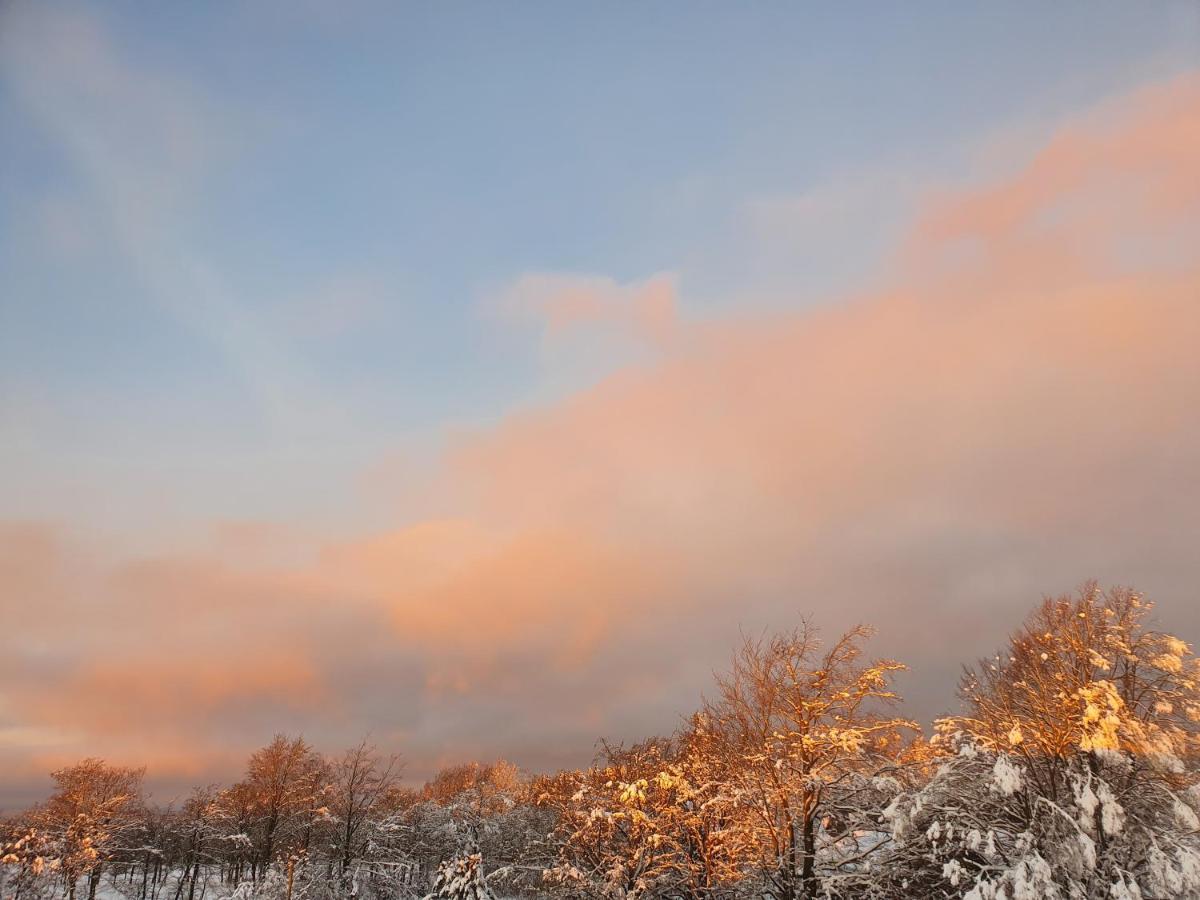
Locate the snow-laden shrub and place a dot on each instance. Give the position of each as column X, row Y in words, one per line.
column 461, row 878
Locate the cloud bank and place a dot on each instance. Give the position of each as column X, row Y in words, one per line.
column 1012, row 412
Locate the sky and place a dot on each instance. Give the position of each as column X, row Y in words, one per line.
column 474, row 374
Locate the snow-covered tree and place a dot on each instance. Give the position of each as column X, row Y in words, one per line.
column 27, row 853
column 284, row 785
column 616, row 830
column 461, row 878
column 805, row 737
column 712, row 854
column 359, row 784
column 93, row 810
column 1072, row 773
column 200, row 839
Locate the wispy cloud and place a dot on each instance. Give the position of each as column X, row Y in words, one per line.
column 143, row 144
column 643, row 311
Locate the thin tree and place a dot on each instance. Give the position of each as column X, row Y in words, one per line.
column 359, row 782
column 802, row 729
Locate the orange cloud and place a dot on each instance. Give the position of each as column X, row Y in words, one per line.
column 1125, row 170
column 107, row 695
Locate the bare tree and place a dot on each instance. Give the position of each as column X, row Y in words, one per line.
column 359, row 781
column 802, row 731
column 283, row 780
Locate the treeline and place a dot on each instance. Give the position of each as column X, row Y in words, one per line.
column 1071, row 772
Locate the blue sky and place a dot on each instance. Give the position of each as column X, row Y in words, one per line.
column 364, row 179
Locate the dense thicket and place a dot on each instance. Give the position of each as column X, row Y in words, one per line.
column 1071, row 772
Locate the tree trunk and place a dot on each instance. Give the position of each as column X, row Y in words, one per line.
column 808, row 875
